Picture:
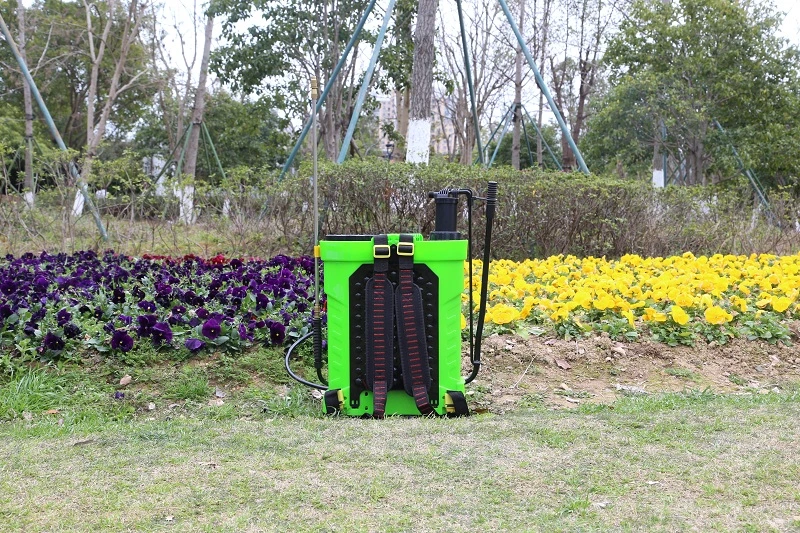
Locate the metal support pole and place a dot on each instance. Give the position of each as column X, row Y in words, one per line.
column 499, row 125
column 362, row 93
column 539, row 80
column 754, row 182
column 213, row 149
column 179, row 169
column 328, row 86
column 468, row 72
column 53, row 130
column 509, row 118
column 539, row 133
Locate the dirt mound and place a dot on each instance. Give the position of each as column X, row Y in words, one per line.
column 519, row 372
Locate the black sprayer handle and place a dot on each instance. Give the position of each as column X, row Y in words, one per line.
column 491, row 206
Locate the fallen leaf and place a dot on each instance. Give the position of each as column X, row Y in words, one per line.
column 601, row 505
column 550, row 342
column 27, row 416
column 216, row 402
column 317, row 394
column 572, row 400
column 620, row 350
column 562, row 364
column 209, row 464
column 219, row 393
column 151, row 406
column 654, row 483
column 170, row 518
column 566, row 387
column 83, row 442
column 124, row 380
column 51, row 412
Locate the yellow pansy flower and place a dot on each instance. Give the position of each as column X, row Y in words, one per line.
column 679, row 315
column 717, row 315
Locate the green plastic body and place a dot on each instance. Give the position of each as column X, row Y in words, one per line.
column 446, row 260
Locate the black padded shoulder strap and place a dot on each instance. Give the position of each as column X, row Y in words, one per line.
column 411, row 328
column 380, row 327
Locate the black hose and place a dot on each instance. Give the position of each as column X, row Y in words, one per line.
column 316, row 329
column 491, row 204
column 289, row 370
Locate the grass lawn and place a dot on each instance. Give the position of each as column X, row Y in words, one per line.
column 676, row 462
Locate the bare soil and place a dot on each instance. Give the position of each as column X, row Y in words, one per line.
column 526, row 372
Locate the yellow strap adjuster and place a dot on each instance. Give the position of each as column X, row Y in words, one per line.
column 381, row 251
column 317, row 251
column 405, row 248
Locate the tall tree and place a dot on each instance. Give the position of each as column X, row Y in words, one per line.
column 516, row 137
column 122, row 79
column 395, row 59
column 295, row 41
column 491, row 58
column 199, row 103
column 583, row 32
column 419, row 117
column 686, row 63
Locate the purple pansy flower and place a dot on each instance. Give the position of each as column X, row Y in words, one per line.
column 53, row 342
column 277, row 332
column 63, row 316
column 194, row 345
column 244, row 334
column 161, row 333
column 147, row 306
column 211, row 329
column 121, row 340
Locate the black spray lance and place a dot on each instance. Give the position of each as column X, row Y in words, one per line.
column 445, row 229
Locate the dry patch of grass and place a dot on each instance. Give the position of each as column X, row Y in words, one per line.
column 666, row 463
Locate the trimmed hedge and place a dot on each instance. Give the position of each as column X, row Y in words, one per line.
column 539, row 213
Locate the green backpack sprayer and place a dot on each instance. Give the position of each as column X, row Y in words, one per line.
column 394, row 315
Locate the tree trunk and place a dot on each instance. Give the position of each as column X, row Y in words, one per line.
column 187, row 215
column 515, row 142
column 419, row 124
column 28, row 190
column 190, row 165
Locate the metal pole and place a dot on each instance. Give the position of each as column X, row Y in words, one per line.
column 314, row 96
column 213, row 149
column 564, row 129
column 468, row 72
column 362, row 93
column 539, row 133
column 179, row 169
column 754, row 182
column 510, row 116
column 53, row 130
column 327, row 88
column 499, row 125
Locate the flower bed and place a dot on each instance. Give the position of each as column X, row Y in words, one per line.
column 676, row 299
column 58, row 306
column 51, row 306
